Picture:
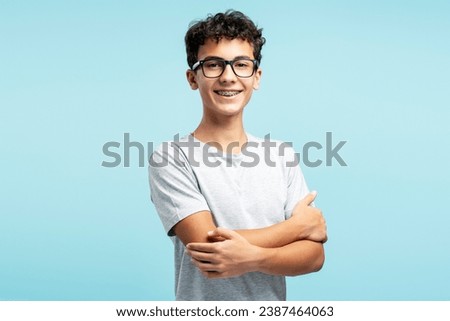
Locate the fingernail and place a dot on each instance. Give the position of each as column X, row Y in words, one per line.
column 314, row 192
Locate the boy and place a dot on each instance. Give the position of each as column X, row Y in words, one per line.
column 238, row 212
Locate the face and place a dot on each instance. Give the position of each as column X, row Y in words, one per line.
column 228, row 94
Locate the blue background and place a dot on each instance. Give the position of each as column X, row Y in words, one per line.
column 75, row 75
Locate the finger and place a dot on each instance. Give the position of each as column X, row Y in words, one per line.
column 202, row 256
column 214, row 238
column 201, row 247
column 223, row 233
column 308, row 199
column 215, row 275
column 205, row 266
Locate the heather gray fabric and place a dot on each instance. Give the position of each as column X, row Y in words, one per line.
column 254, row 189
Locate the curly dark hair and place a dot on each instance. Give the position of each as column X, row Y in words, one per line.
column 230, row 25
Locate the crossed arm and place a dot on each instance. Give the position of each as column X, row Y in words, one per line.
column 291, row 247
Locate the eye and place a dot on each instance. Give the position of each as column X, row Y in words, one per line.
column 243, row 64
column 213, row 64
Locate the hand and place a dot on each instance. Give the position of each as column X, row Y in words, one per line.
column 311, row 219
column 232, row 256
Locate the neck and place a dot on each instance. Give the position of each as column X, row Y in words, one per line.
column 228, row 135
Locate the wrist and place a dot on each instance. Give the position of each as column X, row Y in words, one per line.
column 300, row 230
column 258, row 259
column 264, row 260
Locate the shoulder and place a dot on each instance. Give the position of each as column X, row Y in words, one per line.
column 171, row 152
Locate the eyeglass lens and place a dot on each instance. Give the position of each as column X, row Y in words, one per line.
column 214, row 67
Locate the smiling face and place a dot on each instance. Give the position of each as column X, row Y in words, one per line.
column 228, row 94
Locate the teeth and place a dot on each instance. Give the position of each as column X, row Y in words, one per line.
column 227, row 93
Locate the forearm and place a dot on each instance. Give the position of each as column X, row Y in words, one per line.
column 274, row 236
column 235, row 256
column 300, row 257
column 194, row 228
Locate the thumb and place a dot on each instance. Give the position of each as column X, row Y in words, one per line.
column 223, row 232
column 308, row 199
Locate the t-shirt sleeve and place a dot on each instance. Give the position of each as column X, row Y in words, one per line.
column 174, row 188
column 296, row 184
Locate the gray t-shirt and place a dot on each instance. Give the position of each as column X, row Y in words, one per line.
column 257, row 188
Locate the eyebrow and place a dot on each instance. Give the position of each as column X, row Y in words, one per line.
column 235, row 58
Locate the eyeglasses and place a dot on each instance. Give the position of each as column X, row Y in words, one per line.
column 214, row 67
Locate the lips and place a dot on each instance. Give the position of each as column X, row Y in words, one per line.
column 227, row 93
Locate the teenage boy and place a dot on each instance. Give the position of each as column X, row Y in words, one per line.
column 237, row 207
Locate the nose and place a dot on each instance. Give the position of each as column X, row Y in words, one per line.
column 228, row 74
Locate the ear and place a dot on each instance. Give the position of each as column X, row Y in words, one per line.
column 192, row 79
column 257, row 78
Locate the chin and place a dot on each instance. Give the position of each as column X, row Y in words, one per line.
column 230, row 111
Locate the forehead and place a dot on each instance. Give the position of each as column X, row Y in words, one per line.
column 226, row 49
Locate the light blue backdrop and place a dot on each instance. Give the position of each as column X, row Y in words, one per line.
column 75, row 75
